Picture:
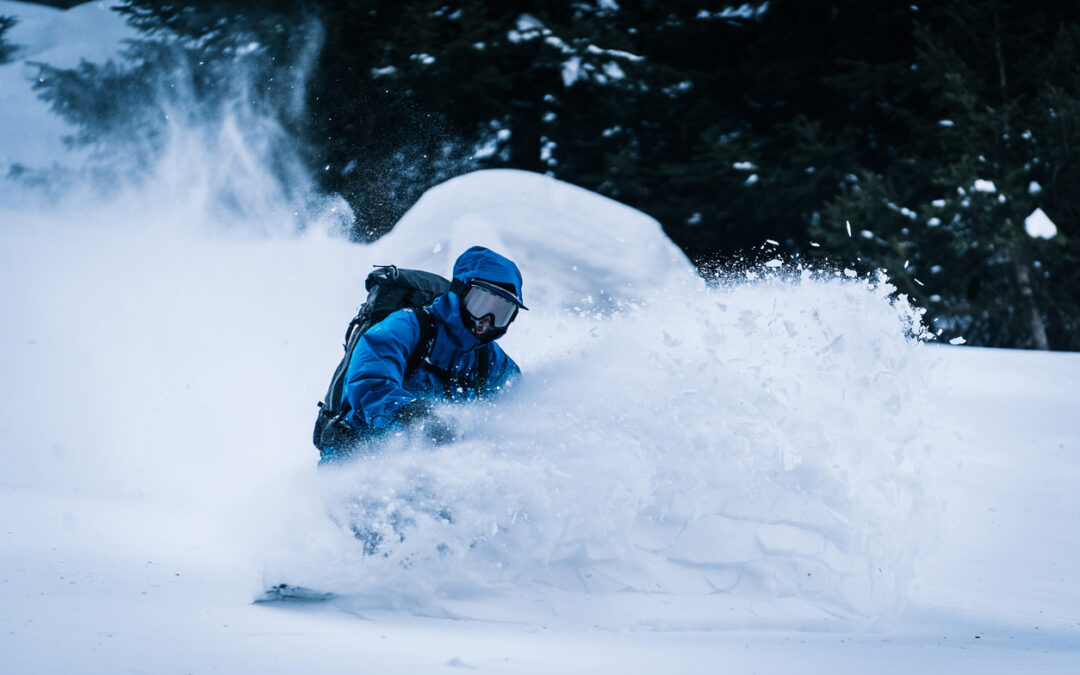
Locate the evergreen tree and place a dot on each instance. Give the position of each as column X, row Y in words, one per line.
column 551, row 87
column 197, row 65
column 779, row 130
column 6, row 48
column 947, row 217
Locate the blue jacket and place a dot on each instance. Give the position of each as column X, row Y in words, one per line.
column 375, row 382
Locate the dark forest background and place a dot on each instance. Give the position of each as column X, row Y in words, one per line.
column 910, row 137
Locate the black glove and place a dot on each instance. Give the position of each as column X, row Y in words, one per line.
column 418, row 415
column 337, row 441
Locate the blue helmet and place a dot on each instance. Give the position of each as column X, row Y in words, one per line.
column 488, row 287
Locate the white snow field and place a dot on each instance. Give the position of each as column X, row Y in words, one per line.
column 773, row 471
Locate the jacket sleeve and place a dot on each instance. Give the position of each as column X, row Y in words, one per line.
column 503, row 373
column 373, row 381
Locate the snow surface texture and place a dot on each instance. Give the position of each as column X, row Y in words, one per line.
column 685, row 459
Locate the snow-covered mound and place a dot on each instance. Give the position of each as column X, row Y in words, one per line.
column 575, row 248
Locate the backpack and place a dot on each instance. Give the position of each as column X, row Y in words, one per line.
column 389, row 289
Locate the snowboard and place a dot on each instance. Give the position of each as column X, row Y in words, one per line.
column 287, row 593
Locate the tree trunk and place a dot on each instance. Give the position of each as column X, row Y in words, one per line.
column 1035, row 321
column 1020, row 262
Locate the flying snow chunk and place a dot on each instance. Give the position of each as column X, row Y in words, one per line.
column 612, row 70
column 957, row 341
column 851, row 274
column 752, row 179
column 1039, row 225
column 571, row 71
column 486, row 149
column 984, row 186
column 743, row 166
column 775, row 262
column 1034, row 188
column 527, row 22
column 946, row 123
column 618, row 53
column 848, row 223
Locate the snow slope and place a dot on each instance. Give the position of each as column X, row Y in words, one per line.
column 766, row 475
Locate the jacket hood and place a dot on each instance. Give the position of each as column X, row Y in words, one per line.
column 482, row 263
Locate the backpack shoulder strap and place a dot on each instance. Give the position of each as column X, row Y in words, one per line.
column 423, row 345
column 483, row 370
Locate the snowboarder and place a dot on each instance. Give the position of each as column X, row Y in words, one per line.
column 460, row 362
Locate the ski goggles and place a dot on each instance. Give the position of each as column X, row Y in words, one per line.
column 482, row 299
